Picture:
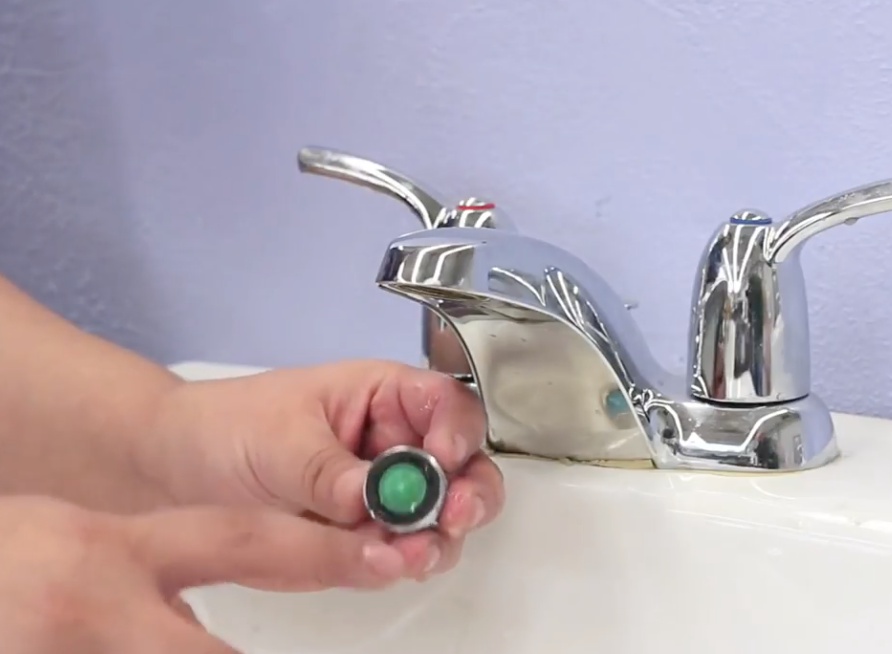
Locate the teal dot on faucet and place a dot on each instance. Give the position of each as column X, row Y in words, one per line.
column 615, row 403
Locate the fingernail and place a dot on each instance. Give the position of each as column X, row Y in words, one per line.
column 459, row 448
column 478, row 512
column 433, row 559
column 383, row 560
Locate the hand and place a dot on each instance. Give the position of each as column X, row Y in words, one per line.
column 89, row 583
column 298, row 439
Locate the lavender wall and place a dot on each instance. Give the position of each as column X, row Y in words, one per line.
column 148, row 187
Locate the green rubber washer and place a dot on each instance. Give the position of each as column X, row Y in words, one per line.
column 402, row 488
column 405, row 489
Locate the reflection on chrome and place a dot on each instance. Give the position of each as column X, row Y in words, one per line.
column 564, row 372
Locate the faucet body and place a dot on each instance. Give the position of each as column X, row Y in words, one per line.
column 441, row 350
column 565, row 373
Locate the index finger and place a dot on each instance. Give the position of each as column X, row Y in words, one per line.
column 264, row 548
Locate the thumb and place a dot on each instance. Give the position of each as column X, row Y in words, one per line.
column 264, row 548
column 313, row 471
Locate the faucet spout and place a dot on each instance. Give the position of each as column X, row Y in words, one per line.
column 440, row 350
column 554, row 370
column 563, row 370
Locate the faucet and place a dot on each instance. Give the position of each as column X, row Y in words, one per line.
column 565, row 373
column 440, row 348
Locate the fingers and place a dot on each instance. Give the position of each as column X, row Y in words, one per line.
column 457, row 426
column 452, row 418
column 386, row 405
column 393, row 404
column 427, row 553
column 313, row 471
column 413, row 407
column 473, row 499
column 421, row 407
column 265, row 548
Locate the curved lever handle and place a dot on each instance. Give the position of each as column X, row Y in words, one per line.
column 845, row 208
column 350, row 168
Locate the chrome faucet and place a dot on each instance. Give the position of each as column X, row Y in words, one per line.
column 564, row 372
column 440, row 348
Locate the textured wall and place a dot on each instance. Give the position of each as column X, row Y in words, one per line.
column 148, row 190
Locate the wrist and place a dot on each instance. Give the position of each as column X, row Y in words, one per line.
column 88, row 445
column 143, row 453
column 178, row 454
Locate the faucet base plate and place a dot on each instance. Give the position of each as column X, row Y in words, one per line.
column 797, row 435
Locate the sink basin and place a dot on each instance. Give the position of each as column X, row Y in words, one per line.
column 621, row 561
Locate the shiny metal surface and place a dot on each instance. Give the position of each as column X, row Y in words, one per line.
column 440, row 348
column 749, row 336
column 350, row 168
column 470, row 212
column 564, row 372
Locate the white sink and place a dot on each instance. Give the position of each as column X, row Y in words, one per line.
column 594, row 560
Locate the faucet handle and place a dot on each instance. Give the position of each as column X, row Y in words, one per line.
column 471, row 212
column 364, row 172
column 845, row 208
column 749, row 335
